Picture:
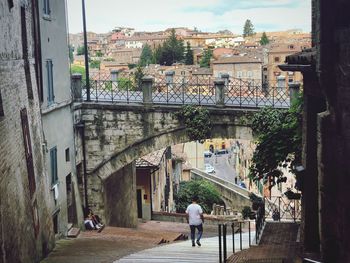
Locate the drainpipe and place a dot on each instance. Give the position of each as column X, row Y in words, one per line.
column 81, row 127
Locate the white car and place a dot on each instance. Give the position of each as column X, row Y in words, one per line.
column 209, row 168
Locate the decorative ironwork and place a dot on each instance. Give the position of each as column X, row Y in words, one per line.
column 281, row 208
column 179, row 90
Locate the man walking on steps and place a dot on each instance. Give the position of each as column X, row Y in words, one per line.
column 194, row 216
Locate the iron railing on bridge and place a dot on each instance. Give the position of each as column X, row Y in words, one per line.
column 236, row 227
column 281, row 208
column 180, row 90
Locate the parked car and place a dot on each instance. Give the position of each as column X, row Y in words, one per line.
column 208, row 154
column 221, row 152
column 209, row 168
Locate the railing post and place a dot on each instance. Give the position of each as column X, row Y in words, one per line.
column 219, row 92
column 226, row 78
column 169, row 79
column 294, row 89
column 114, row 75
column 220, row 248
column 240, row 235
column 249, row 233
column 77, row 87
column 147, row 83
column 233, row 237
column 224, row 242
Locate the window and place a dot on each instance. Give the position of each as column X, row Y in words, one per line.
column 1, row 107
column 53, row 165
column 49, row 71
column 250, row 74
column 67, row 155
column 46, row 7
column 277, row 59
column 290, row 80
column 239, row 74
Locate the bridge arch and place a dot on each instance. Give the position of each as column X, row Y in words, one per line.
column 116, row 135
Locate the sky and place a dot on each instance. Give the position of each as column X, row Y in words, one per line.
column 206, row 15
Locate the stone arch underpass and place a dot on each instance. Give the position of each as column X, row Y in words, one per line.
column 115, row 135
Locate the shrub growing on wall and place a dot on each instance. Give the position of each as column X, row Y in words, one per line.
column 197, row 122
column 206, row 192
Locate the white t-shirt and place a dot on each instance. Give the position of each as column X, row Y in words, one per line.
column 194, row 212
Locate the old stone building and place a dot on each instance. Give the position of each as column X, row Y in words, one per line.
column 26, row 226
column 326, row 132
column 59, row 149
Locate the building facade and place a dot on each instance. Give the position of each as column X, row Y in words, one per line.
column 57, row 120
column 26, row 228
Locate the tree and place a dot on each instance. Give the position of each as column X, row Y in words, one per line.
column 189, row 55
column 278, row 135
column 78, row 69
column 248, row 29
column 205, row 60
column 95, row 64
column 80, row 50
column 99, row 53
column 205, row 191
column 264, row 39
column 172, row 50
column 138, row 77
column 146, row 56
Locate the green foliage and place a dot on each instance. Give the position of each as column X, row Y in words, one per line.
column 125, row 84
column 95, row 64
column 205, row 60
column 170, row 52
column 71, row 56
column 138, row 77
column 246, row 211
column 189, row 55
column 78, row 69
column 132, row 65
column 146, row 56
column 80, row 50
column 99, row 53
column 205, row 191
column 248, row 29
column 264, row 39
column 197, row 122
column 278, row 135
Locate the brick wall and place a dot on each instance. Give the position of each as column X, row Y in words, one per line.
column 25, row 224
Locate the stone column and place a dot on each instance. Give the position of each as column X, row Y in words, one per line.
column 219, row 92
column 226, row 78
column 147, row 83
column 169, row 79
column 294, row 89
column 114, row 75
column 77, row 87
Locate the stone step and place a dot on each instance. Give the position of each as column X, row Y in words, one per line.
column 73, row 232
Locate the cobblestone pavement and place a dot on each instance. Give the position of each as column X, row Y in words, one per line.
column 278, row 245
column 113, row 242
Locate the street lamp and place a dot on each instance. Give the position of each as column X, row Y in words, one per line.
column 86, row 54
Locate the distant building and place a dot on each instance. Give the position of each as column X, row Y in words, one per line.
column 277, row 56
column 154, row 183
column 241, row 67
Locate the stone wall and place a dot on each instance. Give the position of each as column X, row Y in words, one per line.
column 116, row 135
column 333, row 59
column 26, row 230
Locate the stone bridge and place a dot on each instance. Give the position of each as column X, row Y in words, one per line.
column 114, row 134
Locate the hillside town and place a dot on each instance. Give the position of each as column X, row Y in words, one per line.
column 173, row 146
column 241, row 57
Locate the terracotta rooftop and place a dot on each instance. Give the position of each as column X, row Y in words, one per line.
column 151, row 160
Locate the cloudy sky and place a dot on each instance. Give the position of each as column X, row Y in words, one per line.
column 206, row 15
